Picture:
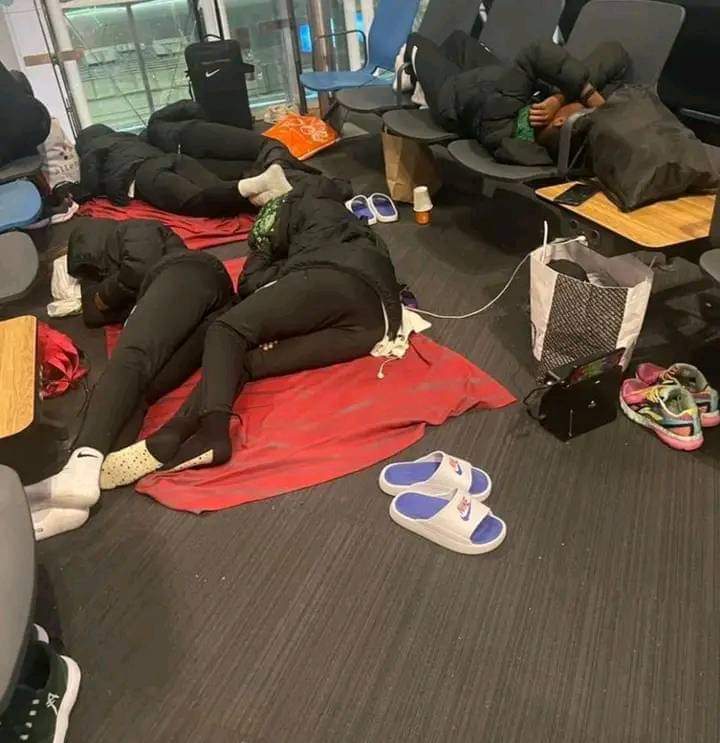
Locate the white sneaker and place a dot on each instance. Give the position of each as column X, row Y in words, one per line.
column 50, row 522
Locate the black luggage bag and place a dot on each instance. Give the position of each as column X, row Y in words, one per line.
column 217, row 75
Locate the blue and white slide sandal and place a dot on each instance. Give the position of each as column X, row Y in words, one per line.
column 459, row 523
column 360, row 207
column 435, row 474
column 384, row 207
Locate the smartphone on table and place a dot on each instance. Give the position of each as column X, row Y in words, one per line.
column 577, row 194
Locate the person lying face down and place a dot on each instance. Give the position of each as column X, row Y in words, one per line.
column 472, row 93
column 319, row 288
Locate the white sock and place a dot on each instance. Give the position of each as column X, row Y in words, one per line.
column 261, row 199
column 77, row 485
column 50, row 522
column 418, row 96
column 272, row 181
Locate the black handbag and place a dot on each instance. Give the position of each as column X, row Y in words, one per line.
column 579, row 398
column 217, row 76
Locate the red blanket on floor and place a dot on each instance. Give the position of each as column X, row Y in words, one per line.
column 197, row 232
column 304, row 429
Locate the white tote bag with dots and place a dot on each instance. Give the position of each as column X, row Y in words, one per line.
column 573, row 320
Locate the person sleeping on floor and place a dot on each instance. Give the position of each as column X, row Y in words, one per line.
column 473, row 94
column 319, row 288
column 187, row 165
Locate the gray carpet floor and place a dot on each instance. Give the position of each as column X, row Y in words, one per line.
column 313, row 618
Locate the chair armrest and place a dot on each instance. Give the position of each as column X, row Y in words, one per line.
column 346, row 33
column 565, row 146
column 398, row 76
column 700, row 115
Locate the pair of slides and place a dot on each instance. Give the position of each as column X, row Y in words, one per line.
column 378, row 207
column 440, row 497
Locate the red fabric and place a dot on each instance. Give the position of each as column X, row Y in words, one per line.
column 307, row 428
column 60, row 361
column 196, row 232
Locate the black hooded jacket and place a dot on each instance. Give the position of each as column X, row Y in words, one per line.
column 112, row 259
column 312, row 229
column 485, row 102
column 24, row 120
column 109, row 161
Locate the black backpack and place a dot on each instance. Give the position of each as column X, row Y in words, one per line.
column 640, row 152
column 217, row 76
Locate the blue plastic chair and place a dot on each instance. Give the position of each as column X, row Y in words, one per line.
column 390, row 28
column 20, row 205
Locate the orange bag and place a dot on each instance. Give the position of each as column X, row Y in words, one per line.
column 304, row 136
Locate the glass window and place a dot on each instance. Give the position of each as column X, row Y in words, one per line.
column 133, row 59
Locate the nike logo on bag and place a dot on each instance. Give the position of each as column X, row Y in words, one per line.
column 81, row 456
column 214, row 72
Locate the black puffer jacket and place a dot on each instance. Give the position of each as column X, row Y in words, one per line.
column 112, row 259
column 310, row 229
column 109, row 160
column 484, row 103
column 24, row 120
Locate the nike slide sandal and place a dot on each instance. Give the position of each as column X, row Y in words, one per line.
column 383, row 207
column 459, row 523
column 360, row 207
column 435, row 474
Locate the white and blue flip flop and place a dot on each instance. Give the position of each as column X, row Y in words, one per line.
column 361, row 208
column 436, row 474
column 459, row 523
column 383, row 207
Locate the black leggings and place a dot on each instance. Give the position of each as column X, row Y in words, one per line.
column 159, row 342
column 317, row 317
column 180, row 184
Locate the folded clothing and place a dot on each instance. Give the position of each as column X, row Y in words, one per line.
column 346, row 419
column 196, row 232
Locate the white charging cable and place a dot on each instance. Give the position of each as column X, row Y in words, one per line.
column 492, row 301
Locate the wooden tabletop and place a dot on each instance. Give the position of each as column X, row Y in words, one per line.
column 18, row 350
column 656, row 226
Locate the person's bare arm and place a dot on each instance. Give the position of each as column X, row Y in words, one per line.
column 542, row 113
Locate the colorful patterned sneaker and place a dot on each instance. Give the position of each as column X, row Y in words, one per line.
column 40, row 707
column 693, row 380
column 669, row 410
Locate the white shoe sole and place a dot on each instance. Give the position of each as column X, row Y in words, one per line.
column 68, row 701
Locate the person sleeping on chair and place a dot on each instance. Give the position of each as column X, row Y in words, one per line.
column 473, row 94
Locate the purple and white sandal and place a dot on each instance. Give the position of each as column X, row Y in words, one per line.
column 460, row 522
column 383, row 207
column 437, row 473
column 360, row 207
